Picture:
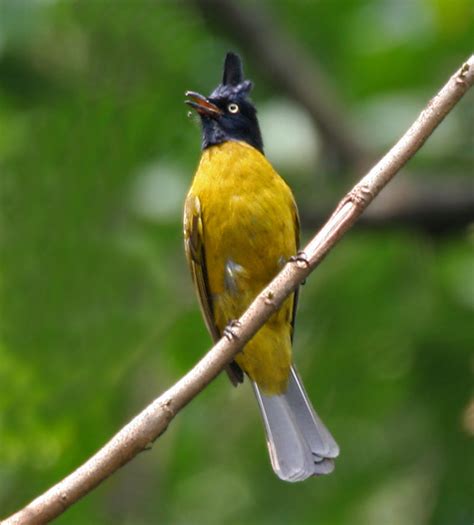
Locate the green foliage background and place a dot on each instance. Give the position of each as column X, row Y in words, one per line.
column 97, row 313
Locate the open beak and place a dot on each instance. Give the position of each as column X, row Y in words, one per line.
column 202, row 105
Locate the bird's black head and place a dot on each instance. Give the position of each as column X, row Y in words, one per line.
column 228, row 114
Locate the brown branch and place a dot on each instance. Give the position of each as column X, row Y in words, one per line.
column 145, row 428
column 434, row 206
column 291, row 68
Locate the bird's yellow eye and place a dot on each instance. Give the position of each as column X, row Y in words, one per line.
column 233, row 108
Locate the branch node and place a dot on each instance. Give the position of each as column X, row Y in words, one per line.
column 166, row 407
column 269, row 298
column 360, row 196
column 461, row 76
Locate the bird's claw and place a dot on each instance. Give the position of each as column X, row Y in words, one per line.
column 300, row 259
column 229, row 330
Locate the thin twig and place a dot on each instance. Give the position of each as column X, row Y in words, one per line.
column 145, row 428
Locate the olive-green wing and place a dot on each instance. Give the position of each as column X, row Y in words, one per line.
column 195, row 254
column 194, row 247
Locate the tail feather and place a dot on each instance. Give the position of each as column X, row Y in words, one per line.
column 299, row 444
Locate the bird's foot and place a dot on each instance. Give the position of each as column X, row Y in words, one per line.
column 229, row 330
column 300, row 259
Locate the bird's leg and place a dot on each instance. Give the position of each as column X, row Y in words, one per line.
column 229, row 330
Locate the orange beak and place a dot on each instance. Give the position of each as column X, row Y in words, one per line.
column 202, row 105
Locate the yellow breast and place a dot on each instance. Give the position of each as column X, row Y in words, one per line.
column 249, row 231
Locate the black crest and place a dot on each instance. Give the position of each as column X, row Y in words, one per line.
column 233, row 70
column 233, row 83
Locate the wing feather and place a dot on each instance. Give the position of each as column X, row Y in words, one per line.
column 196, row 257
column 194, row 247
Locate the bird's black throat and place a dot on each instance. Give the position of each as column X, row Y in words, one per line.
column 214, row 132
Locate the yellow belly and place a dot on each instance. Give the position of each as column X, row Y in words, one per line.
column 249, row 231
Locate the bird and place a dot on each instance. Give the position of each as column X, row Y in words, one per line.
column 241, row 226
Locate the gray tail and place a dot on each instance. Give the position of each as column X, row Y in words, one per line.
column 299, row 444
